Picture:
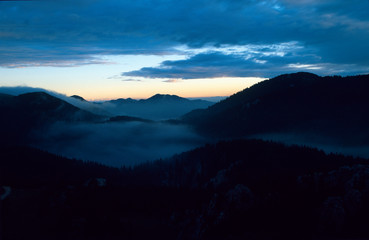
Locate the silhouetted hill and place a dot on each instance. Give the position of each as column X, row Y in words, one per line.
column 26, row 112
column 240, row 189
column 5, row 98
column 165, row 98
column 293, row 103
column 22, row 166
column 122, row 101
column 251, row 160
column 43, row 105
column 4, row 95
column 78, row 97
column 171, row 99
column 157, row 107
column 127, row 119
column 264, row 190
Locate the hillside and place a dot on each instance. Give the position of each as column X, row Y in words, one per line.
column 300, row 103
column 241, row 189
column 264, row 190
column 30, row 111
column 26, row 167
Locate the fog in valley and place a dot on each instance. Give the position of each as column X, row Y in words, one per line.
column 117, row 144
column 349, row 147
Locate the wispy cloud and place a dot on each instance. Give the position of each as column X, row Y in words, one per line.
column 73, row 33
column 125, row 79
column 131, row 80
column 172, row 80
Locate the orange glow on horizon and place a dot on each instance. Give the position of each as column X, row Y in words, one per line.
column 194, row 88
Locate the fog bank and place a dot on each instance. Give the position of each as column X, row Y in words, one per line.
column 350, row 147
column 117, row 144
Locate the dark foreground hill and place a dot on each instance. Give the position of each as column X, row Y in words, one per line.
column 242, row 189
column 300, row 103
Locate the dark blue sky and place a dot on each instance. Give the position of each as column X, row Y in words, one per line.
column 210, row 38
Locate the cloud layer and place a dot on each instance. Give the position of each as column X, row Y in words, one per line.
column 267, row 37
column 117, row 144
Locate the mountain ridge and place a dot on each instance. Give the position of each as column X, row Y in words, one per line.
column 156, row 107
column 155, row 97
column 29, row 111
column 299, row 102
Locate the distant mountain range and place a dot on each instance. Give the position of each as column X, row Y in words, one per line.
column 300, row 103
column 157, row 107
column 234, row 189
column 34, row 112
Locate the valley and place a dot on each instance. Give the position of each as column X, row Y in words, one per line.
column 245, row 167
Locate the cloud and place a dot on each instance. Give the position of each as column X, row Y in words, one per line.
column 124, row 79
column 15, row 91
column 114, row 144
column 73, row 33
column 131, row 80
column 261, row 63
column 31, row 56
column 172, row 81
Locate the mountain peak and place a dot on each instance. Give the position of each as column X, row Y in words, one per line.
column 78, row 97
column 123, row 101
column 166, row 97
column 299, row 76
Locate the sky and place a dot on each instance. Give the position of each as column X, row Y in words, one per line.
column 104, row 49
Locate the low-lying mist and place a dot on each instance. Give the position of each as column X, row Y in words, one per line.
column 358, row 147
column 117, row 144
